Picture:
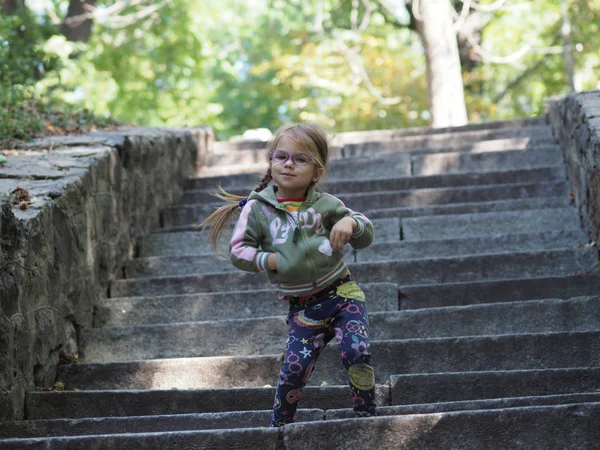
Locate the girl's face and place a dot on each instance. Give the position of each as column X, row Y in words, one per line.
column 292, row 178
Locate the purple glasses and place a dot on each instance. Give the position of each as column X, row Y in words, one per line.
column 299, row 159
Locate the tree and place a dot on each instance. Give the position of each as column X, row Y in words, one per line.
column 349, row 64
column 77, row 24
column 444, row 76
column 433, row 21
column 10, row 6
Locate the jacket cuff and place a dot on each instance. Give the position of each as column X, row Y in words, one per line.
column 261, row 260
column 359, row 229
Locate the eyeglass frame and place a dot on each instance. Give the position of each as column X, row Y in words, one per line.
column 291, row 155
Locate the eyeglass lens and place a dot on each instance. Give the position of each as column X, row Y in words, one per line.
column 281, row 157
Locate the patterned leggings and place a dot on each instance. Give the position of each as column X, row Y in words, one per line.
column 340, row 311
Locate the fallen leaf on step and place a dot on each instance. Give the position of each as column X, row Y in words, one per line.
column 19, row 195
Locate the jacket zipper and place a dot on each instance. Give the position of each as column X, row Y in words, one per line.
column 295, row 237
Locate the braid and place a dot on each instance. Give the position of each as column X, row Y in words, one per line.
column 219, row 219
column 264, row 181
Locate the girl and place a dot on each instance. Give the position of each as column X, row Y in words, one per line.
column 297, row 235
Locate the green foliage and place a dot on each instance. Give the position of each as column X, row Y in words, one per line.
column 304, row 76
column 21, row 62
column 521, row 88
column 22, row 58
column 32, row 56
column 236, row 65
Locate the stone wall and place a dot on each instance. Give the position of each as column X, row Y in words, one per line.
column 87, row 199
column 576, row 123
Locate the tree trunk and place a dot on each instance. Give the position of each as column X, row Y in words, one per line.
column 568, row 46
column 76, row 27
column 10, row 6
column 444, row 76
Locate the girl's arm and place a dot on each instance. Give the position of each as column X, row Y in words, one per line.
column 245, row 242
column 349, row 227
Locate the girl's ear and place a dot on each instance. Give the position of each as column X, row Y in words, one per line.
column 318, row 174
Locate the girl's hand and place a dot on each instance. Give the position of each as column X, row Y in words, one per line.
column 341, row 233
column 272, row 261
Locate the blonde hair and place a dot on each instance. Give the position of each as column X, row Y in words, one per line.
column 311, row 138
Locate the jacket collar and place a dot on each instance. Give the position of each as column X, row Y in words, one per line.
column 269, row 195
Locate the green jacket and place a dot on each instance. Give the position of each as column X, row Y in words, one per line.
column 305, row 260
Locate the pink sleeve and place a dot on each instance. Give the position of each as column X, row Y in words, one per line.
column 238, row 249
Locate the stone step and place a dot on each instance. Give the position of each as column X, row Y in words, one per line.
column 473, row 405
column 454, row 162
column 221, row 156
column 340, row 168
column 560, row 262
column 217, row 306
column 421, row 146
column 340, row 139
column 198, row 242
column 153, row 266
column 349, row 137
column 244, row 144
column 435, row 210
column 478, row 267
column 379, row 251
column 225, row 157
column 420, row 162
column 468, row 208
column 256, row 170
column 438, row 196
column 381, row 296
column 560, row 426
column 258, row 418
column 242, row 183
column 485, row 224
column 492, row 291
column 477, row 245
column 461, row 386
column 196, row 213
column 253, row 171
column 392, row 357
column 255, row 371
column 115, row 403
column 267, row 335
column 264, row 438
column 534, row 316
column 146, row 424
column 255, row 419
column 528, row 351
column 396, row 183
column 471, row 353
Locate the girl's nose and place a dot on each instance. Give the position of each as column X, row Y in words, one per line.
column 289, row 163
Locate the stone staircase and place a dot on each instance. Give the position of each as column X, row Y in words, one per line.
column 484, row 311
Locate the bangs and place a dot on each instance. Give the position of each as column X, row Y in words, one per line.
column 302, row 137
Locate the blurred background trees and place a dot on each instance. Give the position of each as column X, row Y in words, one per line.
column 235, row 65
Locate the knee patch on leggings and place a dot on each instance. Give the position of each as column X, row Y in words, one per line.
column 362, row 377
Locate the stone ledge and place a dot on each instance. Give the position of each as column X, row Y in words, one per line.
column 576, row 122
column 90, row 198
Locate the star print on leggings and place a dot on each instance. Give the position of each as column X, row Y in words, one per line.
column 306, row 352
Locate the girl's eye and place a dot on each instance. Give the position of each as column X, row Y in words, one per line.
column 280, row 157
column 301, row 159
